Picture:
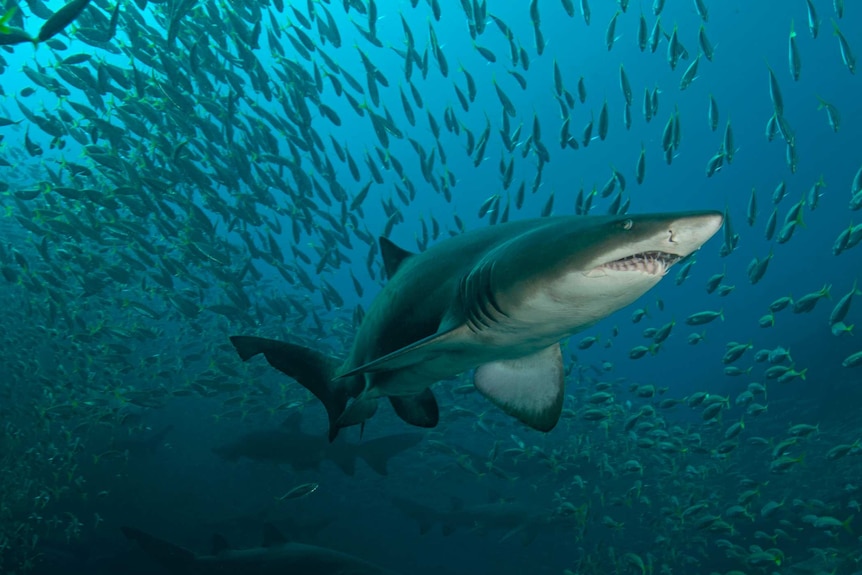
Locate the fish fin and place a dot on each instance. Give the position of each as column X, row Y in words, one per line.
column 312, row 369
column 377, row 452
column 414, row 353
column 420, row 410
column 272, row 536
column 531, row 388
column 220, row 544
column 173, row 557
column 393, row 256
column 359, row 410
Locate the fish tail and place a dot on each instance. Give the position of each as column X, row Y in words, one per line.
column 312, row 369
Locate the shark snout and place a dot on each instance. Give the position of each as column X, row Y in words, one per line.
column 687, row 234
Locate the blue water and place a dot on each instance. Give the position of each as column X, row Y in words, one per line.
column 181, row 491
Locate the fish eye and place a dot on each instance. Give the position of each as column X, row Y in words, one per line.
column 627, row 224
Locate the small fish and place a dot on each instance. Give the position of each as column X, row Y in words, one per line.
column 61, row 18
column 643, row 33
column 603, row 121
column 751, row 213
column 690, row 74
column 299, row 491
column 832, row 114
column 794, row 59
column 712, row 114
column 610, row 33
column 846, row 52
column 839, row 312
column 705, row 45
column 814, row 193
column 640, row 168
column 625, row 86
column 775, row 93
column 702, row 11
column 813, row 21
column 757, row 268
column 807, row 302
column 704, row 317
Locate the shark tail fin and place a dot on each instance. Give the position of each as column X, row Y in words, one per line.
column 313, row 370
column 174, row 558
column 377, row 452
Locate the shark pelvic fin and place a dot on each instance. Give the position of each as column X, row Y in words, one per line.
column 312, row 369
column 393, row 256
column 530, row 388
column 420, row 410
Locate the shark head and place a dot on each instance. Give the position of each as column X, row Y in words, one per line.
column 556, row 279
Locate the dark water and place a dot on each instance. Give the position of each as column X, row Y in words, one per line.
column 118, row 384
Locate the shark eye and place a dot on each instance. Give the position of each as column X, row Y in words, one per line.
column 627, row 224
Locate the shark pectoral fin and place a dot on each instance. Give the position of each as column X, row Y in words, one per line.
column 420, row 410
column 530, row 388
column 412, row 354
column 173, row 557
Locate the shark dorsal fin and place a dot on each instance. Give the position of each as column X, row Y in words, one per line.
column 393, row 256
column 272, row 536
column 220, row 544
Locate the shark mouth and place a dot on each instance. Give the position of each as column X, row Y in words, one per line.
column 647, row 262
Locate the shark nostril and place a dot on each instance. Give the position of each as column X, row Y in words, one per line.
column 670, row 237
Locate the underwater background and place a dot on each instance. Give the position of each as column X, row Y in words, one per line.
column 173, row 173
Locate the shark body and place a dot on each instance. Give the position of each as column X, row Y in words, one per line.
column 508, row 518
column 290, row 446
column 498, row 299
column 275, row 557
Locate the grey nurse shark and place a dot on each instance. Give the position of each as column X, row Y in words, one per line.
column 508, row 518
column 498, row 299
column 275, row 557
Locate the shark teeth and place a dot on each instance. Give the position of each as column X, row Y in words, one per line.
column 648, row 262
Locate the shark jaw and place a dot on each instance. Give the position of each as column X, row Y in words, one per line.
column 570, row 283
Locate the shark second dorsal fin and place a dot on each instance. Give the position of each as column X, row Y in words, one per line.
column 272, row 536
column 220, row 544
column 393, row 256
